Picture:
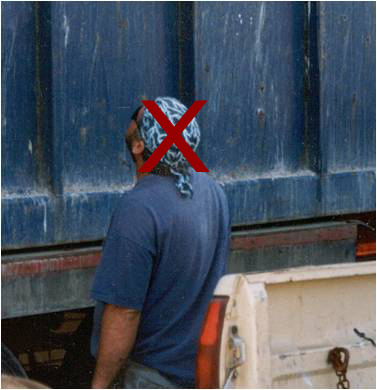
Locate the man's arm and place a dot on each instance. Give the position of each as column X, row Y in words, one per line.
column 118, row 332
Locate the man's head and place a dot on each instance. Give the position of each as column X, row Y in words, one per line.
column 136, row 145
column 132, row 137
column 145, row 134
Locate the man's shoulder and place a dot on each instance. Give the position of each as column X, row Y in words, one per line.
column 145, row 197
column 131, row 206
column 205, row 178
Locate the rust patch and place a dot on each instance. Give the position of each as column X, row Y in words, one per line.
column 49, row 264
column 248, row 243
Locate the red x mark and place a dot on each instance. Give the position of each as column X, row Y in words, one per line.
column 173, row 136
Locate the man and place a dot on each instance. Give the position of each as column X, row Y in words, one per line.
column 165, row 250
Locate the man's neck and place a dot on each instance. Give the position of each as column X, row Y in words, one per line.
column 138, row 164
column 140, row 175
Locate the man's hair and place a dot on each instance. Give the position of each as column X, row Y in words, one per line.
column 160, row 169
column 134, row 115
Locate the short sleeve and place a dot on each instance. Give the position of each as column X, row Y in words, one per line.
column 123, row 275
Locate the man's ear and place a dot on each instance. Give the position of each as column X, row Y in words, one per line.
column 138, row 147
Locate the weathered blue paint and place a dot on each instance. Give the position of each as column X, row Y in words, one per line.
column 18, row 109
column 268, row 148
column 104, row 59
column 288, row 127
column 347, row 65
column 249, row 65
column 89, row 65
column 39, row 294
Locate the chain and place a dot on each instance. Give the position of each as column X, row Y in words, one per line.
column 339, row 358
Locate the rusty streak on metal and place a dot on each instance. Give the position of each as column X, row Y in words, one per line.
column 63, row 262
column 46, row 265
column 55, row 263
column 293, row 238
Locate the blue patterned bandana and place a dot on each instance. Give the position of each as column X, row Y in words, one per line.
column 153, row 134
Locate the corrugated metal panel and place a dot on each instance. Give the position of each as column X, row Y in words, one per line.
column 90, row 67
column 249, row 65
column 347, row 64
column 347, row 105
column 288, row 127
column 268, row 134
column 20, row 140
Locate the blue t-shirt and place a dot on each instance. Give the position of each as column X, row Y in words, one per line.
column 164, row 255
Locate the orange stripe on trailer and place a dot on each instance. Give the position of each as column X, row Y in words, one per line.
column 366, row 249
column 207, row 363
